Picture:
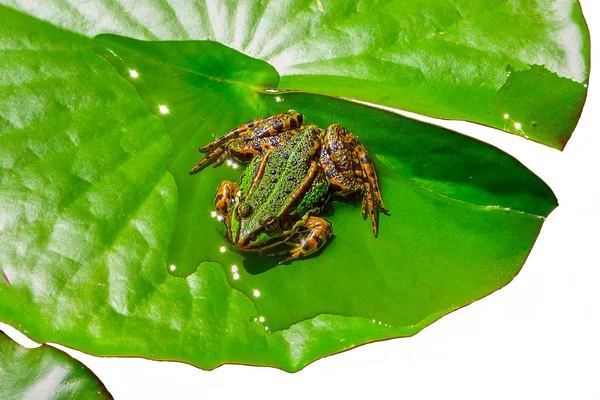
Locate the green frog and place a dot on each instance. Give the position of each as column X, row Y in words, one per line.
column 292, row 172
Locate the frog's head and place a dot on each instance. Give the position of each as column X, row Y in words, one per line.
column 250, row 229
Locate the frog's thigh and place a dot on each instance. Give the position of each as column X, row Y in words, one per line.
column 362, row 166
column 340, row 162
column 225, row 193
column 342, row 146
column 316, row 233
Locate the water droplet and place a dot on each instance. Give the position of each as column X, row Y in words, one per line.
column 172, row 267
column 133, row 73
column 256, row 293
column 261, row 319
column 163, row 109
column 222, row 249
column 236, row 276
column 506, row 116
column 518, row 126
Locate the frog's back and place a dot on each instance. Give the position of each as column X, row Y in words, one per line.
column 282, row 186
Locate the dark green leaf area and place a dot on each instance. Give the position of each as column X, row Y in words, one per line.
column 448, row 241
column 463, row 214
column 218, row 64
column 44, row 373
column 540, row 114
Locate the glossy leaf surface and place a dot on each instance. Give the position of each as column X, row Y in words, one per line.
column 44, row 373
column 428, row 255
column 519, row 65
column 90, row 210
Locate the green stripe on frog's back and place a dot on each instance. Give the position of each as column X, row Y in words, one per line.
column 245, row 185
column 315, row 197
column 286, row 169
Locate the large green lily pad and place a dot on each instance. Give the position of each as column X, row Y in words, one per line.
column 44, row 373
column 90, row 210
column 434, row 253
column 518, row 65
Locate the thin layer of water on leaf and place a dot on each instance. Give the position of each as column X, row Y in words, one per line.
column 549, row 97
column 447, row 242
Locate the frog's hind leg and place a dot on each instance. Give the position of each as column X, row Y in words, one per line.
column 259, row 128
column 350, row 170
column 313, row 235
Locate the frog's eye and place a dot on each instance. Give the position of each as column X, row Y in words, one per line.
column 245, row 210
column 272, row 224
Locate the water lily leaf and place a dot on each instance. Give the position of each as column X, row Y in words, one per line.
column 91, row 211
column 44, row 373
column 477, row 60
column 465, row 180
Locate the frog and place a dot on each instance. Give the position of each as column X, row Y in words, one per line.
column 292, row 171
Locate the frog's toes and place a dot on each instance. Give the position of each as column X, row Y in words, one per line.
column 318, row 232
column 225, row 194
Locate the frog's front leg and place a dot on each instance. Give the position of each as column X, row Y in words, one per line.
column 313, row 235
column 224, row 199
column 260, row 128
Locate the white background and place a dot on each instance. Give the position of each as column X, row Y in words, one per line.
column 538, row 338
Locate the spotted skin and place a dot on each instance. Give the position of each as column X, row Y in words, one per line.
column 281, row 178
column 293, row 171
column 351, row 172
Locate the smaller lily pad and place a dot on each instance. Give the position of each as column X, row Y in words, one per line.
column 45, row 373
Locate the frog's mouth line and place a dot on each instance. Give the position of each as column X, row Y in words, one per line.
column 255, row 245
column 270, row 244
